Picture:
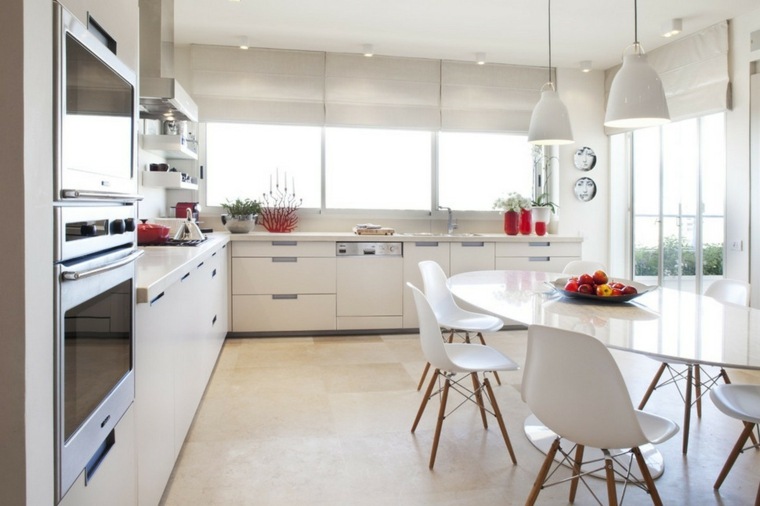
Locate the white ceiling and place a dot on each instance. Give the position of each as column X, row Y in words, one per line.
column 508, row 31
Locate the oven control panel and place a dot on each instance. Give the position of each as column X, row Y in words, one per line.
column 83, row 230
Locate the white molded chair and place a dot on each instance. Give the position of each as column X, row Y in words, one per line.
column 726, row 291
column 450, row 359
column 452, row 318
column 576, row 267
column 743, row 403
column 573, row 386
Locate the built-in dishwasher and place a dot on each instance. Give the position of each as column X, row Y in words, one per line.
column 369, row 285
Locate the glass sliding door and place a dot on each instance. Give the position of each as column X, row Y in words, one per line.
column 679, row 177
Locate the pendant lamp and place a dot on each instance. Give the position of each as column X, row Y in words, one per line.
column 550, row 121
column 636, row 98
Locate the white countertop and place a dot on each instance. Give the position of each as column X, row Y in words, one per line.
column 161, row 266
column 404, row 237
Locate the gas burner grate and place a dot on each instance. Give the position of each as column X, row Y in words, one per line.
column 184, row 242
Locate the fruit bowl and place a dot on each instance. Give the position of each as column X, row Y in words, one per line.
column 641, row 289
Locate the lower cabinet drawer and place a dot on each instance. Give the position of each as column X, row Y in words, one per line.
column 533, row 263
column 274, row 313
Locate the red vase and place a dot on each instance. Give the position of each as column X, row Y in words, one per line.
column 511, row 222
column 526, row 224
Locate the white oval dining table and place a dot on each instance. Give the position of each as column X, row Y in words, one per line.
column 665, row 324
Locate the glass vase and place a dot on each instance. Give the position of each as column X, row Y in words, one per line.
column 526, row 223
column 511, row 222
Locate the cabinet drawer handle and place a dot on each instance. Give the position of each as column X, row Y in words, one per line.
column 539, row 259
column 284, row 243
column 213, row 254
column 185, row 277
column 156, row 298
column 213, row 273
column 284, row 259
column 200, row 265
column 540, row 244
column 426, row 244
column 284, row 296
column 473, row 244
column 213, row 321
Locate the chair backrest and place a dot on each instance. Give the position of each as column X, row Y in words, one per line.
column 729, row 291
column 430, row 334
column 573, row 385
column 436, row 290
column 583, row 267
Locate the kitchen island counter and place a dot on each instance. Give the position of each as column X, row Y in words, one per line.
column 162, row 266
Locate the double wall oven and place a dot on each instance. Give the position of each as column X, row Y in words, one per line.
column 95, row 211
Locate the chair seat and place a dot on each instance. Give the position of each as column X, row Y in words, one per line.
column 738, row 401
column 656, row 428
column 469, row 358
column 469, row 321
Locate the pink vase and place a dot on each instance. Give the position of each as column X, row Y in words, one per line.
column 511, row 222
column 526, row 223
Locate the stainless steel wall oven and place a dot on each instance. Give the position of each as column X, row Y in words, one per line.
column 95, row 211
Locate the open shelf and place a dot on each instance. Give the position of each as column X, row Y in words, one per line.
column 170, row 146
column 172, row 180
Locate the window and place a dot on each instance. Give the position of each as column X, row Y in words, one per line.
column 377, row 169
column 366, row 168
column 474, row 169
column 244, row 160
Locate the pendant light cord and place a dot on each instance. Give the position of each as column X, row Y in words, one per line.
column 636, row 22
column 550, row 41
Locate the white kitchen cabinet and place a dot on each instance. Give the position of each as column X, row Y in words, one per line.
column 467, row 256
column 414, row 253
column 536, row 255
column 115, row 481
column 178, row 338
column 283, row 285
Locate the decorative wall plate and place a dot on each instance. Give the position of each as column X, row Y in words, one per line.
column 584, row 159
column 585, row 189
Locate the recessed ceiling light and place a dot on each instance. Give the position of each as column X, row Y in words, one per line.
column 243, row 42
column 480, row 58
column 673, row 28
column 367, row 50
column 585, row 66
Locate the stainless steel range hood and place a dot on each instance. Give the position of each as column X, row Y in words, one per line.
column 160, row 93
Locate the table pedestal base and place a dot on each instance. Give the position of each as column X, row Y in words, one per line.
column 542, row 438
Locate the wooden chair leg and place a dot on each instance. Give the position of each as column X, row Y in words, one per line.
column 424, row 374
column 687, row 409
column 698, row 389
column 439, row 424
column 495, row 374
column 652, row 385
column 539, row 483
column 479, row 398
column 735, row 451
column 610, row 478
column 500, row 419
column 757, row 497
column 647, row 477
column 425, row 399
column 576, row 472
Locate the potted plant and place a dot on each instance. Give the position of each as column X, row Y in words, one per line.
column 516, row 213
column 241, row 215
column 542, row 210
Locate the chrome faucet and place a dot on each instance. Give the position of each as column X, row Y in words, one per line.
column 451, row 223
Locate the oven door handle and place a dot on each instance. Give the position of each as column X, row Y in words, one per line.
column 75, row 275
column 89, row 195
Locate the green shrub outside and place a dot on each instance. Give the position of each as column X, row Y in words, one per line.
column 646, row 261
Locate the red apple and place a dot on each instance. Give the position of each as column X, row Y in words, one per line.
column 586, row 288
column 585, row 279
column 629, row 290
column 571, row 286
column 600, row 277
column 617, row 292
column 617, row 285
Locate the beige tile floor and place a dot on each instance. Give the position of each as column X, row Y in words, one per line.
column 326, row 421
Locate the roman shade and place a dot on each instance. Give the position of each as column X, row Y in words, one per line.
column 694, row 73
column 258, row 85
column 338, row 89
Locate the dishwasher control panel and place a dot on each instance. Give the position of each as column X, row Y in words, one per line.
column 345, row 249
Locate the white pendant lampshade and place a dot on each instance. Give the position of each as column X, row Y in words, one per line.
column 636, row 99
column 550, row 121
